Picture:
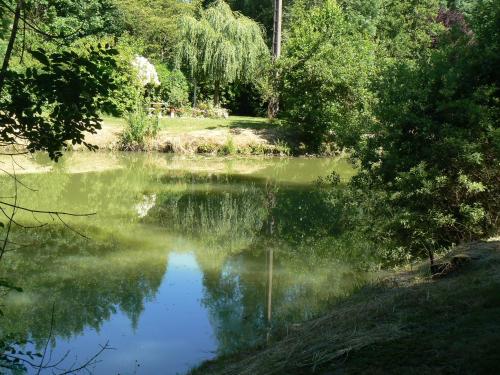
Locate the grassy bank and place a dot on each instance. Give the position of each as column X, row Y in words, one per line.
column 235, row 135
column 179, row 125
column 408, row 323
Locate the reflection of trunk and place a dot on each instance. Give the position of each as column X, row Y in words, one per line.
column 216, row 94
column 434, row 268
column 271, row 204
column 269, row 284
column 270, row 266
column 10, row 46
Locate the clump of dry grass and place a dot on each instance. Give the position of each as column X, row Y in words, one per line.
column 326, row 339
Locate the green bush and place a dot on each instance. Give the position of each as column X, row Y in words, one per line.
column 174, row 88
column 434, row 150
column 229, row 147
column 325, row 74
column 124, row 96
column 141, row 127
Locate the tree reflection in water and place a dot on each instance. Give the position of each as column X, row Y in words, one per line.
column 270, row 253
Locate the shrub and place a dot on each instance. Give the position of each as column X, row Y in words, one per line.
column 228, row 148
column 325, row 76
column 140, row 127
column 204, row 109
column 434, row 149
column 174, row 88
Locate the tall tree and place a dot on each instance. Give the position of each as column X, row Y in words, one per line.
column 10, row 45
column 325, row 76
column 154, row 24
column 221, row 46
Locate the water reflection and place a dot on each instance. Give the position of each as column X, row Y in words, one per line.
column 180, row 265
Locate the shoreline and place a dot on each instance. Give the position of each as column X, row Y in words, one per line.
column 189, row 136
column 380, row 330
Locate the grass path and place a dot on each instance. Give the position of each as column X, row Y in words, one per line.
column 235, row 135
column 185, row 125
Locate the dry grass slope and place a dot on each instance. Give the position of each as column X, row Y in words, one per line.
column 408, row 323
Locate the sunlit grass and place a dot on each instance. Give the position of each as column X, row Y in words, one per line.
column 182, row 125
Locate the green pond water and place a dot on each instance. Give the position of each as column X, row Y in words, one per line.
column 186, row 258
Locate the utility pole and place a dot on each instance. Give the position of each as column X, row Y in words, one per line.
column 273, row 106
column 278, row 15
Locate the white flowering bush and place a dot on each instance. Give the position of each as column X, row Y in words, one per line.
column 146, row 71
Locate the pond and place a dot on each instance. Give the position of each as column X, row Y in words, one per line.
column 184, row 258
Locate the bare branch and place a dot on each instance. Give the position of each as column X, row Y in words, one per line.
column 9, row 225
column 89, row 362
column 48, row 339
column 45, row 212
column 69, row 227
column 17, row 180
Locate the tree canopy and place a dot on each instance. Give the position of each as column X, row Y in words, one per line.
column 221, row 46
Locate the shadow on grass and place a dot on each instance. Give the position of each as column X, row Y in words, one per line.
column 254, row 124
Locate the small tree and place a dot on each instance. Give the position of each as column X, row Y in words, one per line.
column 325, row 76
column 221, row 46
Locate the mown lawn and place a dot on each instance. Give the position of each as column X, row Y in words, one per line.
column 183, row 125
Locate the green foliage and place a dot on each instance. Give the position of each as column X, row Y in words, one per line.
column 407, row 29
column 141, row 126
column 154, row 24
column 128, row 88
column 413, row 88
column 325, row 74
column 221, row 46
column 434, row 149
column 57, row 101
column 74, row 18
column 228, row 148
column 259, row 10
column 174, row 88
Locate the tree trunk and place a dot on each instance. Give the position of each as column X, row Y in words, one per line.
column 10, row 46
column 273, row 106
column 195, row 89
column 216, row 95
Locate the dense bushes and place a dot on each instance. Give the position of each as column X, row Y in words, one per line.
column 412, row 89
column 325, row 75
column 174, row 88
column 434, row 148
column 141, row 127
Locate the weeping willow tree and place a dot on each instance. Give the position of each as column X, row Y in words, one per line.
column 221, row 46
